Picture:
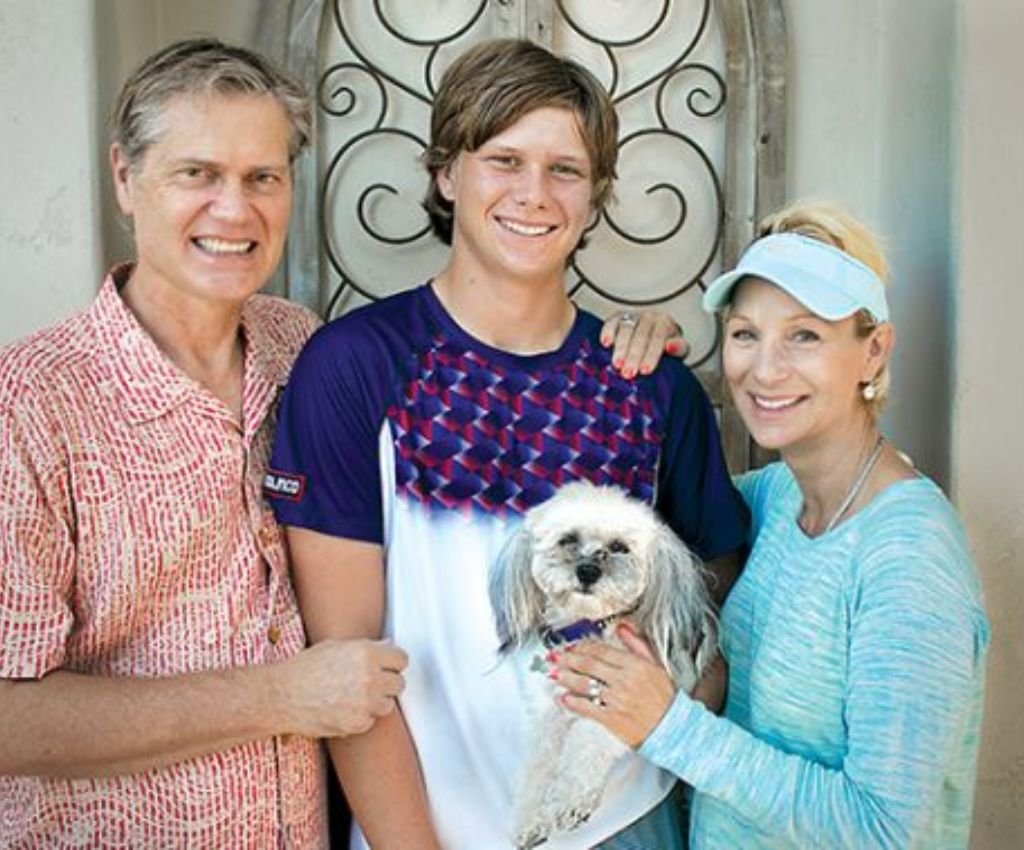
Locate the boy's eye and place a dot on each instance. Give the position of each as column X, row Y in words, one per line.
column 564, row 170
column 503, row 161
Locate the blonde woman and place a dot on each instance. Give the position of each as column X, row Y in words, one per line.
column 856, row 635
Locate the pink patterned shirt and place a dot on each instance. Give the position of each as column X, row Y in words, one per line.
column 134, row 542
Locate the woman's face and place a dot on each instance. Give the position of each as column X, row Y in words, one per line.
column 794, row 376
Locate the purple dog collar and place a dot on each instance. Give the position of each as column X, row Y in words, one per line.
column 574, row 632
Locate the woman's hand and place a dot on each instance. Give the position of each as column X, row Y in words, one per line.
column 640, row 340
column 626, row 691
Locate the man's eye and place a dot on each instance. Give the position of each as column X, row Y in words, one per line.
column 193, row 173
column 266, row 180
column 570, row 539
column 618, row 547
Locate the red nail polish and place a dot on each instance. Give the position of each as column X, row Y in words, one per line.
column 553, row 673
column 672, row 347
column 617, row 363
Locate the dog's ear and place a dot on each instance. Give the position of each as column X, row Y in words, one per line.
column 675, row 612
column 515, row 599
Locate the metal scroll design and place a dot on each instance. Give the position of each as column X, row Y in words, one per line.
column 383, row 95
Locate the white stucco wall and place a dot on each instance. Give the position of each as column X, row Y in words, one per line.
column 49, row 191
column 870, row 127
column 988, row 403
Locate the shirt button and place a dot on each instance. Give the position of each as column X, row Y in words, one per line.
column 274, row 635
column 266, row 537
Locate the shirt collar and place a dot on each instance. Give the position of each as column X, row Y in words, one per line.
column 150, row 385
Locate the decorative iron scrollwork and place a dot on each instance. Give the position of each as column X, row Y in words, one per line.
column 374, row 102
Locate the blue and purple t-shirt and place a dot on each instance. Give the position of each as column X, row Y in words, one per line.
column 399, row 428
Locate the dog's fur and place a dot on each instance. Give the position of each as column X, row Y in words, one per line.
column 593, row 553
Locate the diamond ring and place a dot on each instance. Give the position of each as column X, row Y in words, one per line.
column 628, row 320
column 594, row 691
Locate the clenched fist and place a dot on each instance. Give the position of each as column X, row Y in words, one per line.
column 340, row 687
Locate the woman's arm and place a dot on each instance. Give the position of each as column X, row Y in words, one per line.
column 913, row 691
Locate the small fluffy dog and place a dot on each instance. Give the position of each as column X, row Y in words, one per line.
column 582, row 562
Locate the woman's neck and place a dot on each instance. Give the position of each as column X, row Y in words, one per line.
column 835, row 474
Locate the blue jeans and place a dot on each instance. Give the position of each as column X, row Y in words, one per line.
column 665, row 827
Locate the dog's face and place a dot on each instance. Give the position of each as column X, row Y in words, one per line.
column 590, row 552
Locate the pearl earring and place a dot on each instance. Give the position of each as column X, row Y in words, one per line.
column 869, row 392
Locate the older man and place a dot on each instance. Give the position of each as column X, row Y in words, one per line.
column 154, row 684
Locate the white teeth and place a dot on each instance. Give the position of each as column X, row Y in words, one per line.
column 223, row 246
column 526, row 229
column 775, row 403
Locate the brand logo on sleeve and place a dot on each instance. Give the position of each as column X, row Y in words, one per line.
column 284, row 485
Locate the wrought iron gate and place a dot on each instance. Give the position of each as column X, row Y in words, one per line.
column 700, row 89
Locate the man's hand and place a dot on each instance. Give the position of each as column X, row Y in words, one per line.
column 341, row 687
column 641, row 339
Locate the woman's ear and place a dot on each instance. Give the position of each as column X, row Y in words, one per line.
column 879, row 350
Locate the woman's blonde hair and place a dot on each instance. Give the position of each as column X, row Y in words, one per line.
column 834, row 226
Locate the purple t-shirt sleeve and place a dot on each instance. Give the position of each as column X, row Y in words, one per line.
column 696, row 496
column 324, row 471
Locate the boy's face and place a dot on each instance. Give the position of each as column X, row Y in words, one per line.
column 523, row 199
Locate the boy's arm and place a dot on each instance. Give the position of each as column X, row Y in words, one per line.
column 340, row 588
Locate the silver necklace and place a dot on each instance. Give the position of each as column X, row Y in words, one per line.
column 858, row 485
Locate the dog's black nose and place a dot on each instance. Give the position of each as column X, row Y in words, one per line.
column 588, row 572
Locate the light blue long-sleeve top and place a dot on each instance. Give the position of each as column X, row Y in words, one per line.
column 856, row 668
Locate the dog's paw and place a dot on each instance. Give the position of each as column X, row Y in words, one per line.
column 531, row 837
column 578, row 813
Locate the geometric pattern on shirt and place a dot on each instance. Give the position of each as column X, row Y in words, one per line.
column 474, row 435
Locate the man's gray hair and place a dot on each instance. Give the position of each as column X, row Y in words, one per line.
column 202, row 66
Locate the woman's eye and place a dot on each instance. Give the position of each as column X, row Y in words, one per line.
column 805, row 335
column 742, row 335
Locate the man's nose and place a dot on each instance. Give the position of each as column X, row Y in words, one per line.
column 231, row 202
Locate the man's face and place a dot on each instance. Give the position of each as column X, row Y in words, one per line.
column 522, row 199
column 210, row 199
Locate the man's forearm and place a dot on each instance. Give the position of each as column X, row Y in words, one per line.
column 70, row 724
column 385, row 757
column 75, row 725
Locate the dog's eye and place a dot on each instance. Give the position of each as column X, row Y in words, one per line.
column 570, row 539
column 618, row 547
